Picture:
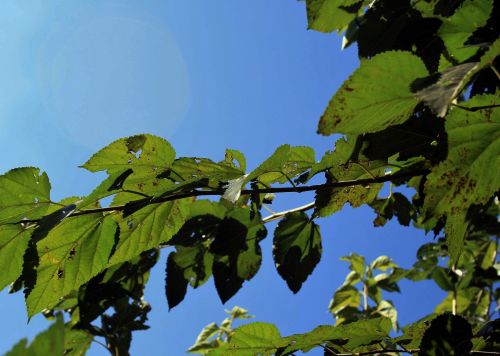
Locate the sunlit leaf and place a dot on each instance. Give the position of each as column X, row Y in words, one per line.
column 466, row 177
column 24, row 194
column 145, row 154
column 331, row 15
column 72, row 253
column 149, row 227
column 375, row 96
column 352, row 335
column 457, row 28
column 13, row 243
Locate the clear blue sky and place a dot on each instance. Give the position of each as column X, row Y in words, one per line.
column 206, row 75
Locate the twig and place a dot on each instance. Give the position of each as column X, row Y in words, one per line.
column 197, row 193
column 281, row 214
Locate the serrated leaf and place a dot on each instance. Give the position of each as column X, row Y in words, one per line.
column 149, row 227
column 108, row 187
column 14, row 241
column 76, row 342
column 188, row 265
column 238, row 254
column 375, row 96
column 457, row 28
column 253, row 339
column 331, row 15
column 386, row 309
column 145, row 154
column 332, row 200
column 296, row 249
column 350, row 336
column 235, row 155
column 382, row 263
column 447, row 335
column 24, row 194
column 346, row 296
column 357, row 263
column 413, row 333
column 466, row 177
column 284, row 164
column 48, row 342
column 71, row 254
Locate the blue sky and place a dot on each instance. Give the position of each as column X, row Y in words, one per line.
column 206, row 75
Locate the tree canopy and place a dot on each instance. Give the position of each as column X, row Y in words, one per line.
column 420, row 112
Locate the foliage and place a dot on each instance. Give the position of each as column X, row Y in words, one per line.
column 421, row 112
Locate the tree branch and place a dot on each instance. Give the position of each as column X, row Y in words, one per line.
column 297, row 189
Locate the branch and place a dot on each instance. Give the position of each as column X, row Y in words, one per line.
column 281, row 214
column 218, row 192
column 410, row 351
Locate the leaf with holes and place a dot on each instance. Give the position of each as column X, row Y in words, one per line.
column 145, row 154
column 149, row 227
column 467, row 176
column 24, row 194
column 70, row 255
column 377, row 95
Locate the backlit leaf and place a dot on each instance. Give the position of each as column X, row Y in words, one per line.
column 145, row 154
column 296, row 249
column 149, row 227
column 375, row 96
column 457, row 28
column 467, row 176
column 71, row 254
column 13, row 243
column 24, row 193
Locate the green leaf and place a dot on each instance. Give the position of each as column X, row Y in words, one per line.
column 344, row 150
column 149, row 227
column 77, row 342
column 24, row 194
column 396, row 204
column 386, row 309
column 236, row 245
column 466, row 176
column 14, row 241
column 253, row 339
column 447, row 335
column 201, row 345
column 331, row 15
column 109, row 186
column 357, row 263
column 457, row 28
column 73, row 252
column 332, row 200
column 441, row 277
column 145, row 154
column 188, row 265
column 350, row 336
column 235, row 155
column 284, row 164
column 413, row 333
column 375, row 96
column 296, row 248
column 346, row 296
column 188, row 169
column 382, row 263
column 48, row 342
